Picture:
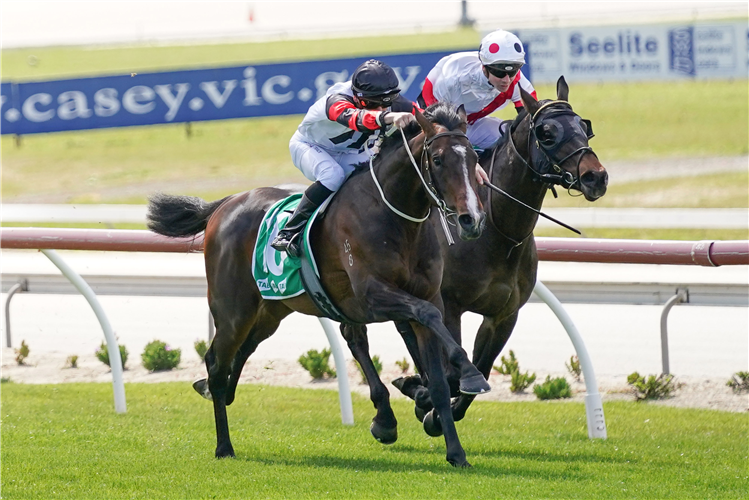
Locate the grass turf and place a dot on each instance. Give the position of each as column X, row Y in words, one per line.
column 65, row 441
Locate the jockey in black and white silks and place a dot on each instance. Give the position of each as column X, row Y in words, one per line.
column 332, row 138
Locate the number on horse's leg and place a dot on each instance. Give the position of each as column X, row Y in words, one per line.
column 384, row 426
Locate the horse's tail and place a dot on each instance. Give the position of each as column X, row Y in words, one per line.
column 173, row 215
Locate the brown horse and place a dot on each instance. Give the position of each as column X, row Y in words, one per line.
column 495, row 275
column 374, row 264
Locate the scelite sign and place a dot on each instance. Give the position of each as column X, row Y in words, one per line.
column 647, row 52
column 186, row 96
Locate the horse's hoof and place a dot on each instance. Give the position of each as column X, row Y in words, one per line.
column 225, row 451
column 407, row 383
column 420, row 413
column 475, row 384
column 383, row 434
column 460, row 465
column 201, row 387
column 432, row 425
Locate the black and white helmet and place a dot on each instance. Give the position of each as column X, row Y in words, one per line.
column 375, row 81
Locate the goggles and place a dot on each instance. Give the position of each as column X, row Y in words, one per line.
column 507, row 70
column 380, row 101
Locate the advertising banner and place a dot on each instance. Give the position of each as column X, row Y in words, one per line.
column 643, row 52
column 189, row 96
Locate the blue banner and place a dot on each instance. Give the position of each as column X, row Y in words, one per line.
column 188, row 96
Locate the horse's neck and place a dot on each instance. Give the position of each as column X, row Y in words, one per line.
column 401, row 183
column 511, row 175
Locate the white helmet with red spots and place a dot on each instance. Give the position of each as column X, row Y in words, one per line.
column 501, row 50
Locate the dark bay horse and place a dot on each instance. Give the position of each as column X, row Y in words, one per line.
column 495, row 275
column 374, row 264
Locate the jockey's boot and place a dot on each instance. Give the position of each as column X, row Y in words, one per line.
column 289, row 238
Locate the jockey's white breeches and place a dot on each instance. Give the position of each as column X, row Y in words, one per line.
column 484, row 133
column 318, row 164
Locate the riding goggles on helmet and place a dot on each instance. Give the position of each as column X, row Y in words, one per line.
column 379, row 101
column 503, row 70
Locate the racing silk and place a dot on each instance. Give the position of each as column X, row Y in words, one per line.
column 459, row 79
column 335, row 123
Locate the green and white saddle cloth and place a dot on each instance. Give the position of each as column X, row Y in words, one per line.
column 279, row 276
column 276, row 273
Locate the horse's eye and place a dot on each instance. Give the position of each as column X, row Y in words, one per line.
column 546, row 135
column 437, row 161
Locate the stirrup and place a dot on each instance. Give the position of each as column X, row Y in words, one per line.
column 288, row 243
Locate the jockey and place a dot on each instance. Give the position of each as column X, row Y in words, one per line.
column 483, row 82
column 330, row 141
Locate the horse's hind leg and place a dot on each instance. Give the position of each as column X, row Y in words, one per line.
column 384, row 426
column 269, row 317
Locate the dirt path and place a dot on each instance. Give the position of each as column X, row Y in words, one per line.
column 51, row 369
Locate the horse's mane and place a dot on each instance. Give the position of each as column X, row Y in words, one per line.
column 439, row 113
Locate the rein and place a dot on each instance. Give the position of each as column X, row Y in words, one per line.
column 549, row 178
column 431, row 190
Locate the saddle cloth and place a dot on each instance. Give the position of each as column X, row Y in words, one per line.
column 279, row 276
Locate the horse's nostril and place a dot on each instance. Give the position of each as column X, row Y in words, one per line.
column 588, row 178
column 465, row 220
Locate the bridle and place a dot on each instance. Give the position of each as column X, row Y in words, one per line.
column 560, row 177
column 429, row 185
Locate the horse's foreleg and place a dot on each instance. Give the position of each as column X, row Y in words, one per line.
column 414, row 387
column 490, row 340
column 431, row 352
column 384, row 426
column 387, row 303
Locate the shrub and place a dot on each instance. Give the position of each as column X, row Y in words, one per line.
column 158, row 356
column 72, row 361
column 739, row 382
column 508, row 365
column 403, row 365
column 201, row 347
column 553, row 388
column 521, row 381
column 316, row 363
column 102, row 354
column 5, row 380
column 377, row 364
column 652, row 387
column 574, row 367
column 22, row 353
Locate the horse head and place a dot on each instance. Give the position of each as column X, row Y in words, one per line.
column 449, row 164
column 558, row 145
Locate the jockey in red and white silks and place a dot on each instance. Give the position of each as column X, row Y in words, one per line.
column 483, row 82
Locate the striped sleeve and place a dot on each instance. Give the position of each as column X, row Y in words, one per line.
column 341, row 109
column 527, row 86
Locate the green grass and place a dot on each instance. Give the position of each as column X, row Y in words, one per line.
column 65, row 441
column 632, row 121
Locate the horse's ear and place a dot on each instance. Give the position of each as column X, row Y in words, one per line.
column 529, row 102
column 425, row 124
column 463, row 118
column 563, row 91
